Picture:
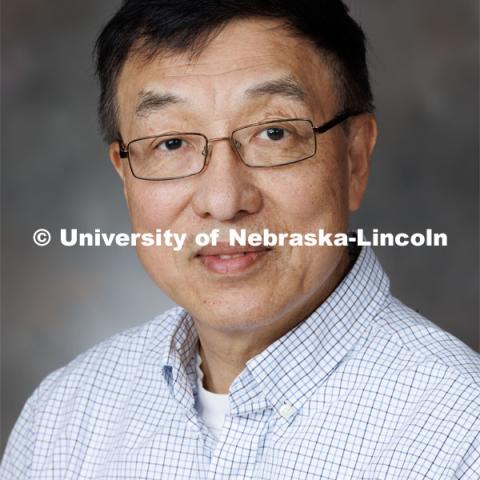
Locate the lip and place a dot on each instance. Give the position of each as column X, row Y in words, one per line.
column 239, row 258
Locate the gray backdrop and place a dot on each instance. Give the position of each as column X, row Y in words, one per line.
column 57, row 301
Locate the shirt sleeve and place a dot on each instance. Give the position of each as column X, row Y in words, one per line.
column 469, row 467
column 19, row 450
column 19, row 453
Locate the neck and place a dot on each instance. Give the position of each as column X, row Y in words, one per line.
column 224, row 354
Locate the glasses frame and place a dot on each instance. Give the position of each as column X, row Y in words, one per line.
column 323, row 128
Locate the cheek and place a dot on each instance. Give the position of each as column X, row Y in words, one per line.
column 154, row 205
column 313, row 195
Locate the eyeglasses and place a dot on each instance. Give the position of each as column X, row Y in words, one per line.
column 274, row 143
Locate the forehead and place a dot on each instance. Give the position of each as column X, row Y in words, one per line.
column 244, row 53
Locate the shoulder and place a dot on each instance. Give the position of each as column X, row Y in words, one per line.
column 110, row 365
column 412, row 336
column 86, row 398
column 424, row 384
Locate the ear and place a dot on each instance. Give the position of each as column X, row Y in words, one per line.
column 118, row 164
column 362, row 139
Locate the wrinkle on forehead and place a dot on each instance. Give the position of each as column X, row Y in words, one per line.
column 208, row 69
column 178, row 66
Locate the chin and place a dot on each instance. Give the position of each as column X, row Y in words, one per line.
column 244, row 314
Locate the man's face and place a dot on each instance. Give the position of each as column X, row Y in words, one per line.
column 218, row 92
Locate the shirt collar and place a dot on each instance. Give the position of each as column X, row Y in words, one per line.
column 178, row 360
column 291, row 368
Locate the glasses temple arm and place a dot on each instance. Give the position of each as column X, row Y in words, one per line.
column 341, row 117
column 123, row 151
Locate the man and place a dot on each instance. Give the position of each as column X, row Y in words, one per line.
column 280, row 362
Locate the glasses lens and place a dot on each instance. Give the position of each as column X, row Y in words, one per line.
column 167, row 156
column 275, row 143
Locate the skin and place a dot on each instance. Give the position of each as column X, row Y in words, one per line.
column 238, row 314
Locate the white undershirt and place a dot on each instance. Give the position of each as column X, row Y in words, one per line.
column 212, row 407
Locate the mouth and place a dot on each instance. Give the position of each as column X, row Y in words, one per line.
column 225, row 259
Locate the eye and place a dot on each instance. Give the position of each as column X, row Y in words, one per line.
column 273, row 133
column 170, row 144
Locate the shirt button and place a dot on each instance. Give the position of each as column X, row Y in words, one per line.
column 286, row 410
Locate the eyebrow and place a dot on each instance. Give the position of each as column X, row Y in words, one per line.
column 286, row 86
column 150, row 101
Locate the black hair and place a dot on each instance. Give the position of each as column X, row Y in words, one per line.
column 151, row 26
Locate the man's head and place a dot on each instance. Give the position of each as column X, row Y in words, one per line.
column 169, row 66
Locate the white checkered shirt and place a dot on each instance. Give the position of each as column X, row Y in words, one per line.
column 364, row 388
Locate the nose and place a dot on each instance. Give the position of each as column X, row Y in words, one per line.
column 226, row 190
